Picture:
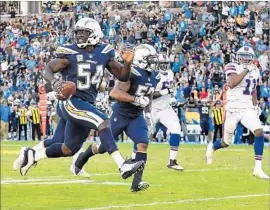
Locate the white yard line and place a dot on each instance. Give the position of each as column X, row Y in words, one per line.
column 160, row 171
column 177, row 202
column 57, row 181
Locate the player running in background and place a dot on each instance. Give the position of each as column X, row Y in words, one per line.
column 82, row 63
column 204, row 111
column 241, row 106
column 133, row 97
column 162, row 111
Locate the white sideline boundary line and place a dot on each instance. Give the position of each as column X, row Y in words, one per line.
column 176, row 202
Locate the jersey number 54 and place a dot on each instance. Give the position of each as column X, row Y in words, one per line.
column 87, row 76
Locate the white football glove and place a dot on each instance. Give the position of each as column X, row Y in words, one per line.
column 141, row 101
column 166, row 91
column 258, row 110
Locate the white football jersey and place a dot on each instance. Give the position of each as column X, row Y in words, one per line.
column 240, row 97
column 166, row 81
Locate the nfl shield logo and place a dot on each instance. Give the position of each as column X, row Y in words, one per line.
column 90, row 55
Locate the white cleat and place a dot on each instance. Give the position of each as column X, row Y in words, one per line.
column 174, row 165
column 18, row 162
column 209, row 153
column 259, row 173
column 28, row 161
column 129, row 168
column 76, row 172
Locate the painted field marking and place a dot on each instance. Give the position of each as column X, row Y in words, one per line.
column 58, row 181
column 160, row 171
column 176, row 202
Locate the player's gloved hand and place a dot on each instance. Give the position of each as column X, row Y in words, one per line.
column 141, row 101
column 258, row 110
column 166, row 91
column 57, row 85
column 149, row 121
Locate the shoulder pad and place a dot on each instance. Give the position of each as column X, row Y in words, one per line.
column 65, row 50
column 107, row 48
column 135, row 72
column 230, row 68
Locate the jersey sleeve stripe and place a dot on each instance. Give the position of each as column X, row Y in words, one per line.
column 230, row 69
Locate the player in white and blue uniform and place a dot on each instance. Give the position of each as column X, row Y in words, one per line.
column 162, row 111
column 82, row 63
column 133, row 99
column 242, row 79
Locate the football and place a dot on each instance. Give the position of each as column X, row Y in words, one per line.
column 69, row 89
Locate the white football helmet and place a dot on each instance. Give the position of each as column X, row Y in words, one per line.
column 145, row 57
column 245, row 55
column 87, row 32
column 163, row 66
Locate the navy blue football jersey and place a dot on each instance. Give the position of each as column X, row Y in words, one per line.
column 86, row 69
column 204, row 112
column 142, row 83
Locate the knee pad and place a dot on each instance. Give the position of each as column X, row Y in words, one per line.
column 175, row 140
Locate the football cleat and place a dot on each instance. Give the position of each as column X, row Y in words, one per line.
column 209, row 153
column 173, row 165
column 18, row 162
column 140, row 187
column 259, row 173
column 79, row 172
column 129, row 168
column 28, row 161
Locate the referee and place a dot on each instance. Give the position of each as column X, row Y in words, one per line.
column 22, row 121
column 35, row 119
column 218, row 116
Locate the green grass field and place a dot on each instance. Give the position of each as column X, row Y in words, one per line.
column 228, row 184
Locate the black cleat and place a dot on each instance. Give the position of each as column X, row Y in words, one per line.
column 28, row 161
column 129, row 168
column 140, row 187
column 173, row 165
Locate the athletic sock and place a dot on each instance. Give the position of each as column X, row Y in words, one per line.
column 84, row 157
column 39, row 146
column 258, row 149
column 133, row 154
column 174, row 145
column 118, row 159
column 138, row 176
column 40, row 154
column 173, row 153
column 74, row 158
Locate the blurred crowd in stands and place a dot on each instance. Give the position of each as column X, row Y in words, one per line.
column 198, row 38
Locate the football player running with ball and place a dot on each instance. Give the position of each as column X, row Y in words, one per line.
column 242, row 79
column 82, row 63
